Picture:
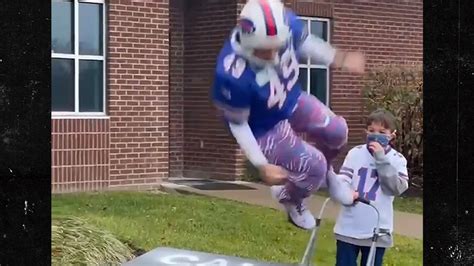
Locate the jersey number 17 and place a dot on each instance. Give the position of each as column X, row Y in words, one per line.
column 363, row 174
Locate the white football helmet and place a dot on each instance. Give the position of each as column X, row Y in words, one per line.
column 262, row 25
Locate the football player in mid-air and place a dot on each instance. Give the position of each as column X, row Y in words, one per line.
column 256, row 88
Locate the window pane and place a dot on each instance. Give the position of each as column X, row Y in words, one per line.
column 304, row 21
column 320, row 29
column 318, row 83
column 303, row 78
column 62, row 27
column 91, row 92
column 90, row 29
column 62, row 85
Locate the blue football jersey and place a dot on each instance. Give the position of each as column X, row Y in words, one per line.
column 269, row 94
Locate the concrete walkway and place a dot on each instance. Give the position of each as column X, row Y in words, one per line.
column 406, row 224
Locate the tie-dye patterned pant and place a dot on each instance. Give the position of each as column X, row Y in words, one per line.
column 306, row 164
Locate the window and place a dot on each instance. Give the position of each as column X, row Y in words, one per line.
column 314, row 78
column 78, row 57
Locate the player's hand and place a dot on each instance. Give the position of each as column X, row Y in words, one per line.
column 273, row 174
column 354, row 62
column 355, row 195
column 375, row 147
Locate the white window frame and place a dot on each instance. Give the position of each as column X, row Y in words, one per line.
column 307, row 66
column 76, row 56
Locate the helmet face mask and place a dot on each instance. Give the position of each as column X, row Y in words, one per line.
column 265, row 54
column 263, row 30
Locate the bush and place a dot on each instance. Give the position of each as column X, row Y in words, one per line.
column 74, row 242
column 400, row 90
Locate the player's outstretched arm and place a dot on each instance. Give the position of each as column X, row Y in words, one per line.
column 311, row 46
column 323, row 52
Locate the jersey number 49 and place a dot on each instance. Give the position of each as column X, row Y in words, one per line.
column 278, row 90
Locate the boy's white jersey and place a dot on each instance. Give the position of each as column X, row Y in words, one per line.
column 359, row 169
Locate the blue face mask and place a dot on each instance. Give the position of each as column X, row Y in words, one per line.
column 382, row 139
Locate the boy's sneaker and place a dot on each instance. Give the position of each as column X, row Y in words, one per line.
column 298, row 214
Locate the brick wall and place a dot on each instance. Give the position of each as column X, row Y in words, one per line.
column 176, row 78
column 130, row 147
column 80, row 154
column 209, row 150
column 138, row 86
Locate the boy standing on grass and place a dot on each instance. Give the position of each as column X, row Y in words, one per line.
column 378, row 173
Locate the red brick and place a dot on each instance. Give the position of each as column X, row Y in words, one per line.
column 71, row 156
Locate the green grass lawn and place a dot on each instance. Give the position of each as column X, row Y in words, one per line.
column 200, row 223
column 408, row 204
column 403, row 204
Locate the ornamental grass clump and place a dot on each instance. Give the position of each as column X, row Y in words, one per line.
column 74, row 242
